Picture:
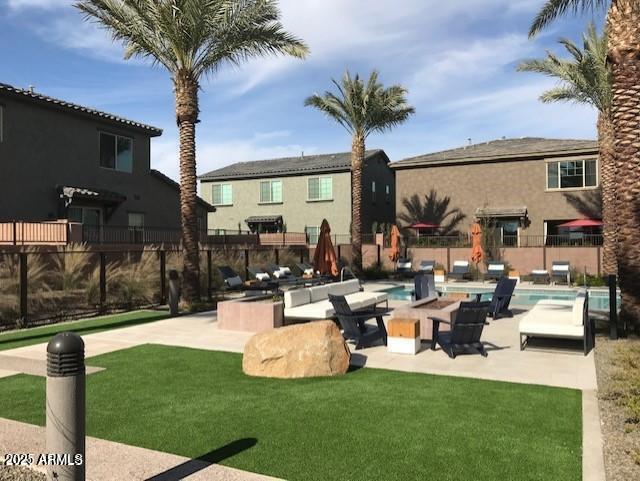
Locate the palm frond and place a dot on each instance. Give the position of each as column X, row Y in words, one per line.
column 554, row 9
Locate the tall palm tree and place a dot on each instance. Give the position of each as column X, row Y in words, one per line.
column 586, row 78
column 362, row 109
column 433, row 210
column 623, row 29
column 193, row 38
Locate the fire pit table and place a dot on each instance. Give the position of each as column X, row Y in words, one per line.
column 433, row 307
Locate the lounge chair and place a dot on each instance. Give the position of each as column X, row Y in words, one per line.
column 540, row 276
column 231, row 280
column 427, row 267
column 353, row 322
column 282, row 274
column 460, row 271
column 466, row 330
column 552, row 318
column 304, row 269
column 501, row 298
column 495, row 270
column 424, row 287
column 561, row 271
column 403, row 266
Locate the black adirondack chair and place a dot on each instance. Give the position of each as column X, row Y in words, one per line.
column 501, row 298
column 465, row 332
column 353, row 322
column 424, row 286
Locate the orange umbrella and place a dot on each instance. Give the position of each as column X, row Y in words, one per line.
column 476, row 243
column 395, row 244
column 324, row 258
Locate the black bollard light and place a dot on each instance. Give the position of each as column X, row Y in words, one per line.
column 65, row 436
column 174, row 292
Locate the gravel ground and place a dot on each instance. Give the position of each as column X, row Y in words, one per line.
column 621, row 439
column 17, row 473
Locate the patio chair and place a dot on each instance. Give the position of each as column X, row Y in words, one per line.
column 561, row 271
column 495, row 270
column 501, row 298
column 427, row 266
column 353, row 323
column 460, row 271
column 304, row 269
column 424, row 287
column 540, row 276
column 466, row 330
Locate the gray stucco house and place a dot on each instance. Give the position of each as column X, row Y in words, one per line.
column 65, row 161
column 296, row 193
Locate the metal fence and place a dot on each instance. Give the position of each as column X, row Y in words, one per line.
column 33, row 233
column 585, row 240
column 40, row 287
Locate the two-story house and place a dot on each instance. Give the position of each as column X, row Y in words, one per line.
column 60, row 160
column 527, row 186
column 296, row 193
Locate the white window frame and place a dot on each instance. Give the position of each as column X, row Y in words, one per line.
column 316, row 234
column 271, row 201
column 373, row 191
column 320, row 199
column 222, row 204
column 387, row 192
column 584, row 175
column 115, row 139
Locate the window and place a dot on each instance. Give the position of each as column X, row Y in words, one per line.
column 222, row 194
column 116, row 152
column 88, row 216
column 270, row 191
column 320, row 188
column 387, row 193
column 572, row 174
column 312, row 234
column 373, row 191
column 136, row 219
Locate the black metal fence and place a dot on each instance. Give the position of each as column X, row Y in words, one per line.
column 585, row 240
column 40, row 287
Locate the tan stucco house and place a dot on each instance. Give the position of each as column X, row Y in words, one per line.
column 296, row 193
column 528, row 186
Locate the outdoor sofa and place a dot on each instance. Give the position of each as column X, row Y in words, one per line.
column 552, row 318
column 312, row 303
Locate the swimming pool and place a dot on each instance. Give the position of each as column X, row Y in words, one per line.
column 525, row 297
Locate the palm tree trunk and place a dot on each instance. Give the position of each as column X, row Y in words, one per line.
column 357, row 160
column 623, row 23
column 609, row 194
column 186, row 93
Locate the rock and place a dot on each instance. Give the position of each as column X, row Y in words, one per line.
column 303, row 350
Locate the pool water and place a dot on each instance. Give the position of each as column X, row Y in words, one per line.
column 525, row 297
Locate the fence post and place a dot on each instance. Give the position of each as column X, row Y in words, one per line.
column 15, row 233
column 613, row 307
column 246, row 264
column 103, row 282
column 209, row 278
column 163, row 277
column 448, row 259
column 378, row 246
column 24, row 283
column 339, row 253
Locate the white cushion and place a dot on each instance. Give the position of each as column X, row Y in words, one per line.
column 551, row 319
column 404, row 265
column 344, row 288
column 296, row 297
column 560, row 268
column 318, row 310
column 234, row 281
column 319, row 293
column 496, row 267
column 461, row 263
column 285, row 270
column 308, row 272
column 263, row 276
column 539, row 272
column 359, row 300
column 426, row 268
column 578, row 308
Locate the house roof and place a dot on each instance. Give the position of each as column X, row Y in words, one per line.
column 503, row 149
column 302, row 165
column 75, row 108
column 172, row 183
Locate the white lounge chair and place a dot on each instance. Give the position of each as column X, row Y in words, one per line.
column 561, row 271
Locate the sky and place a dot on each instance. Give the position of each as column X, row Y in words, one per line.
column 456, row 58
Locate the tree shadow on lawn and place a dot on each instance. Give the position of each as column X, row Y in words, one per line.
column 201, row 462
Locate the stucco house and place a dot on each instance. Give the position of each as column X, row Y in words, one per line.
column 65, row 161
column 296, row 193
column 527, row 186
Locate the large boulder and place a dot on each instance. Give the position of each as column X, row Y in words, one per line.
column 303, row 350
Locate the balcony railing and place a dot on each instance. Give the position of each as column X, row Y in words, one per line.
column 34, row 233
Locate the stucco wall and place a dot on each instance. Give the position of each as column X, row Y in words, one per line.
column 497, row 184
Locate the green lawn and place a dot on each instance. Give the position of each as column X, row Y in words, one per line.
column 37, row 335
column 371, row 424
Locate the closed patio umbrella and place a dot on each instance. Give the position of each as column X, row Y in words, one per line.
column 395, row 244
column 324, row 258
column 476, row 243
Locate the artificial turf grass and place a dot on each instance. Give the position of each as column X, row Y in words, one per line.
column 37, row 335
column 371, row 424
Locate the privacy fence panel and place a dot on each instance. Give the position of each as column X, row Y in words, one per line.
column 9, row 290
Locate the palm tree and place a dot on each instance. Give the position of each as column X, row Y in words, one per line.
column 433, row 210
column 362, row 109
column 586, row 78
column 623, row 30
column 193, row 38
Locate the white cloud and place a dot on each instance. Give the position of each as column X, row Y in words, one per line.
column 40, row 4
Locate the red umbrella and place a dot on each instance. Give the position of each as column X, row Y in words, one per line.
column 582, row 223
column 424, row 225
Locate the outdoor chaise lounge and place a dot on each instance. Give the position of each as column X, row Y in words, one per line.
column 460, row 271
column 501, row 298
column 561, row 271
column 312, row 303
column 304, row 269
column 466, row 330
column 403, row 266
column 540, row 276
column 233, row 282
column 495, row 270
column 353, row 322
column 552, row 318
column 427, row 267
